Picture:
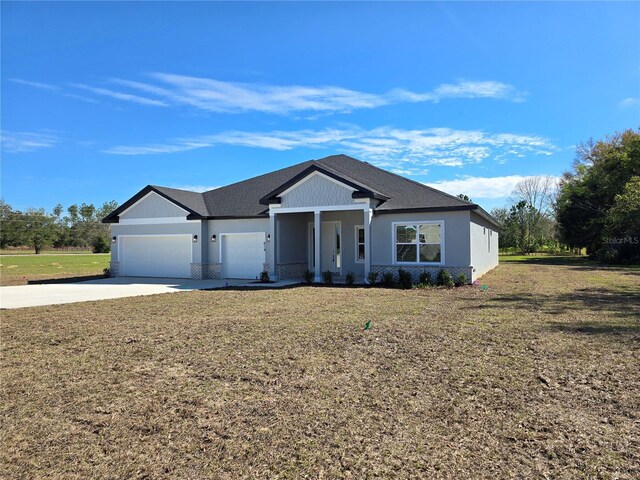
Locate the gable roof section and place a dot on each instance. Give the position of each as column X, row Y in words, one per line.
column 360, row 190
column 250, row 198
column 192, row 202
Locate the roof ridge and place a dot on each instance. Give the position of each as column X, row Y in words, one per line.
column 259, row 176
column 413, row 181
column 176, row 189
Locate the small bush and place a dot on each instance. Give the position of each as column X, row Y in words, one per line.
column 327, row 277
column 387, row 279
column 350, row 279
column 372, row 278
column 308, row 276
column 445, row 279
column 425, row 279
column 106, row 272
column 461, row 280
column 264, row 277
column 101, row 245
column 404, row 279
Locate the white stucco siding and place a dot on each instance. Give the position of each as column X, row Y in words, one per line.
column 153, row 206
column 317, row 191
column 484, row 245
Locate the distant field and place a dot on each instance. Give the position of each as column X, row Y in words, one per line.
column 45, row 252
column 566, row 260
column 23, row 269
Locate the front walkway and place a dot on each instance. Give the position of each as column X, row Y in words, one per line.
column 107, row 288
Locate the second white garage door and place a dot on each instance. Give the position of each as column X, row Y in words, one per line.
column 242, row 255
column 155, row 256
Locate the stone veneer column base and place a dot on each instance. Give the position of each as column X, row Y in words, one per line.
column 114, row 269
column 415, row 271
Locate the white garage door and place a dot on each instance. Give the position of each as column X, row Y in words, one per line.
column 242, row 255
column 156, row 256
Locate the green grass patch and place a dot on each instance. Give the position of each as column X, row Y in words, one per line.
column 46, row 252
column 22, row 269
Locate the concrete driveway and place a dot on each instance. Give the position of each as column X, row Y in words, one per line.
column 102, row 289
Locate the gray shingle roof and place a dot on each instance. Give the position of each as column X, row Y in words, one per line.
column 242, row 199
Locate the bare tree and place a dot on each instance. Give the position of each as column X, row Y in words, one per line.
column 537, row 192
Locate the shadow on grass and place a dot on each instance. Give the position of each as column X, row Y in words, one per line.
column 621, row 304
column 46, row 281
column 593, row 328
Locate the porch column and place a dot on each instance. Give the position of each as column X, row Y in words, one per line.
column 271, row 246
column 367, row 242
column 316, row 253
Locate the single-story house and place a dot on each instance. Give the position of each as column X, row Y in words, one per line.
column 335, row 214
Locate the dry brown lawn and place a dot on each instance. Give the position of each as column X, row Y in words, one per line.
column 537, row 377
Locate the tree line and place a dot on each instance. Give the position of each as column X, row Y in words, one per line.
column 78, row 226
column 595, row 206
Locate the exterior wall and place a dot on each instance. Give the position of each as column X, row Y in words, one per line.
column 349, row 220
column 456, row 236
column 483, row 234
column 317, row 191
column 153, row 206
column 457, row 251
column 187, row 227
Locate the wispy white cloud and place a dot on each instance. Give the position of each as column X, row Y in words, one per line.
column 53, row 89
column 120, row 96
column 235, row 97
column 395, row 149
column 462, row 89
column 18, row 142
column 80, row 97
column 29, row 83
column 629, row 102
column 208, row 94
column 480, row 187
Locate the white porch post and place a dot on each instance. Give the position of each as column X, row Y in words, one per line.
column 271, row 246
column 316, row 253
column 367, row 242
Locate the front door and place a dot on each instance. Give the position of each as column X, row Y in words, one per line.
column 331, row 247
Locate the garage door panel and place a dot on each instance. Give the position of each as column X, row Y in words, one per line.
column 156, row 256
column 243, row 255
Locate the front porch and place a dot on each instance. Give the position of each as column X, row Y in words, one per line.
column 320, row 240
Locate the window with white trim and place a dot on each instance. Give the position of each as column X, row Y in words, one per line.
column 418, row 243
column 359, row 243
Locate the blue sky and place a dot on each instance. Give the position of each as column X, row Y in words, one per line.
column 101, row 99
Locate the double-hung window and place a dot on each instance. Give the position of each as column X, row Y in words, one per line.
column 359, row 244
column 418, row 242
